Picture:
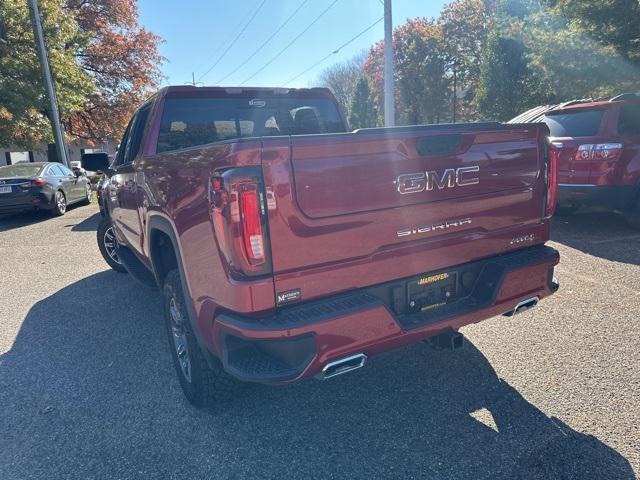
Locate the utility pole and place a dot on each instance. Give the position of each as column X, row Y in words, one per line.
column 389, row 107
column 193, row 80
column 455, row 91
column 54, row 115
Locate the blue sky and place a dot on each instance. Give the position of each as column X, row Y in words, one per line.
column 196, row 33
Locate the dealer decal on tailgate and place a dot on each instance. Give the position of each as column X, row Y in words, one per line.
column 282, row 298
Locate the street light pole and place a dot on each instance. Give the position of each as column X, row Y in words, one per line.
column 54, row 115
column 389, row 107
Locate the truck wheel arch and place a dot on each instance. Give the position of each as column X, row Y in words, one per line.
column 634, row 201
column 159, row 231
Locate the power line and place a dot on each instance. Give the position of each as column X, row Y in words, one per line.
column 335, row 51
column 234, row 40
column 223, row 43
column 273, row 59
column 264, row 43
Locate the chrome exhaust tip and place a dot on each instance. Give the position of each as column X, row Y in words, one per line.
column 523, row 306
column 343, row 365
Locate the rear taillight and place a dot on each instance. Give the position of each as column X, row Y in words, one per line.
column 251, row 218
column 598, row 151
column 552, row 178
column 38, row 182
column 238, row 213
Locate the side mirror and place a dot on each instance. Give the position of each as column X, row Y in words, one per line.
column 95, row 161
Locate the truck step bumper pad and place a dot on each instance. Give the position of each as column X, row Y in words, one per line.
column 298, row 341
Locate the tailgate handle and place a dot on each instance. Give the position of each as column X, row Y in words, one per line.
column 439, row 145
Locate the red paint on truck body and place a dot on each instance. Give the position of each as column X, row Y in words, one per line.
column 333, row 210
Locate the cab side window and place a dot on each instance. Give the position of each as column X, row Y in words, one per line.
column 135, row 135
column 132, row 138
column 119, row 160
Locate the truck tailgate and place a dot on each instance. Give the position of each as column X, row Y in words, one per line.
column 352, row 210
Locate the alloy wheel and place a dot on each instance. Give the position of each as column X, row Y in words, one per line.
column 180, row 339
column 109, row 241
column 61, row 203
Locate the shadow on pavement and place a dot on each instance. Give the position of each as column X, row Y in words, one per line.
column 89, row 224
column 22, row 219
column 88, row 391
column 602, row 234
column 31, row 217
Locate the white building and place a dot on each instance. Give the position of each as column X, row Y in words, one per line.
column 47, row 153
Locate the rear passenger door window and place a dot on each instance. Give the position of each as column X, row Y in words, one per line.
column 65, row 171
column 629, row 120
column 55, row 171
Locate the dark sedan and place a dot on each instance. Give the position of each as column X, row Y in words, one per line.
column 41, row 186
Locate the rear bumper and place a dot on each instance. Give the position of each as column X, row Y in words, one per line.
column 298, row 341
column 27, row 201
column 610, row 197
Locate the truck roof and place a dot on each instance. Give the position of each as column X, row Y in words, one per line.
column 594, row 104
column 535, row 114
column 239, row 90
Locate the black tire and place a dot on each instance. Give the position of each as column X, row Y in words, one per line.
column 87, row 200
column 59, row 204
column 106, row 244
column 566, row 210
column 633, row 216
column 203, row 385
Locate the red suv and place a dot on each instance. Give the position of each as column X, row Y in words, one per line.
column 599, row 145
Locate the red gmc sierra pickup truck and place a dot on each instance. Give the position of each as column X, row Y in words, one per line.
column 286, row 247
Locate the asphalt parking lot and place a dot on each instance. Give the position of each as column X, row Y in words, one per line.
column 87, row 388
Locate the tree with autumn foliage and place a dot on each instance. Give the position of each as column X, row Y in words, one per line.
column 421, row 62
column 426, row 54
column 466, row 25
column 421, row 66
column 103, row 63
column 122, row 59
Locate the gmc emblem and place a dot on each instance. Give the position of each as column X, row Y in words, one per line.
column 450, row 178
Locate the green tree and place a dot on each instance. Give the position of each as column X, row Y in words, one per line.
column 422, row 86
column 504, row 76
column 362, row 113
column 571, row 63
column 23, row 105
column 611, row 23
column 421, row 71
column 465, row 26
column 103, row 64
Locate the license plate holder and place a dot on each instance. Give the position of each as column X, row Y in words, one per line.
column 431, row 291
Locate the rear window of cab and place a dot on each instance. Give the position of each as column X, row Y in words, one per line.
column 191, row 122
column 577, row 123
